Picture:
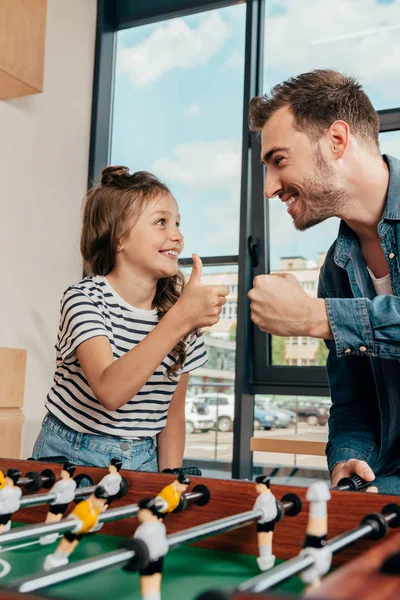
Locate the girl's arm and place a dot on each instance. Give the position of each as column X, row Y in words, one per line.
column 115, row 382
column 171, row 440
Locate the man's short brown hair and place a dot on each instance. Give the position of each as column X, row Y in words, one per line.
column 317, row 99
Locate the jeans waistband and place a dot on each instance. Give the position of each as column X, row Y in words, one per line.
column 51, row 422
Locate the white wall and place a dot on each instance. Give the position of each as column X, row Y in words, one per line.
column 44, row 149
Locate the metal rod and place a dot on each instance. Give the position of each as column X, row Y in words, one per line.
column 199, row 532
column 69, row 572
column 24, row 481
column 276, row 575
column 119, row 557
column 30, row 532
column 299, row 563
column 38, row 499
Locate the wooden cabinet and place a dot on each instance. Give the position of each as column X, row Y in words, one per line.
column 12, row 386
column 22, row 43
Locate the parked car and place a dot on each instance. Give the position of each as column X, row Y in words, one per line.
column 263, row 419
column 283, row 417
column 197, row 417
column 222, row 410
column 312, row 412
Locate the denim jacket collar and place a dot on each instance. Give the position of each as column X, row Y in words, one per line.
column 346, row 236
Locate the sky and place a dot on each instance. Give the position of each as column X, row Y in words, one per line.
column 178, row 104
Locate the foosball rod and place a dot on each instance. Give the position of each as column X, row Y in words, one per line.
column 123, row 556
column 373, row 526
column 39, row 499
column 33, row 481
column 31, row 532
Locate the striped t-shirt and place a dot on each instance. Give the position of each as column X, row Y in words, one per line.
column 92, row 308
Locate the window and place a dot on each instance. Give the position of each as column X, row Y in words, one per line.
column 173, row 81
column 352, row 37
column 294, row 418
column 352, row 44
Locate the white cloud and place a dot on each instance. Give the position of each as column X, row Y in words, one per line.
column 361, row 37
column 215, row 164
column 236, row 59
column 192, row 110
column 237, row 11
column 224, row 217
column 173, row 45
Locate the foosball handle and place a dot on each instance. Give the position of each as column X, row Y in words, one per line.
column 354, row 483
column 189, row 470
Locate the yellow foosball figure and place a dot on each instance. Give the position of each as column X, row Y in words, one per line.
column 171, row 494
column 85, row 514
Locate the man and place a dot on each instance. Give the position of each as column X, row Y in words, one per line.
column 320, row 145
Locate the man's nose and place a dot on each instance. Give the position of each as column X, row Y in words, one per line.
column 272, row 184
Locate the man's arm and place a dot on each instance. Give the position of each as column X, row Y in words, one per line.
column 365, row 327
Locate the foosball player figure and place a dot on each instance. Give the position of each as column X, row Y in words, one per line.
column 171, row 495
column 85, row 514
column 111, row 483
column 314, row 544
column 64, row 489
column 265, row 526
column 153, row 533
column 10, row 496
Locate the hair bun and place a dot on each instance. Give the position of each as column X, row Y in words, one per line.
column 109, row 174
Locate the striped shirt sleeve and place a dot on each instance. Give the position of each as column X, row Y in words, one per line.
column 196, row 355
column 81, row 320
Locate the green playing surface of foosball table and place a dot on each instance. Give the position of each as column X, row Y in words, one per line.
column 187, row 572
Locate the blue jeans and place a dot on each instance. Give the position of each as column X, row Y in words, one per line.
column 387, row 484
column 56, row 439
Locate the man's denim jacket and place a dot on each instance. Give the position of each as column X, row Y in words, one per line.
column 364, row 357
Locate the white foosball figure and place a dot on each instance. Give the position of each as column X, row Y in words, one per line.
column 152, row 531
column 10, row 496
column 265, row 526
column 314, row 544
column 111, row 483
column 65, row 492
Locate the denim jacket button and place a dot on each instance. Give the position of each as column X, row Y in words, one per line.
column 391, row 255
column 362, row 349
column 347, row 351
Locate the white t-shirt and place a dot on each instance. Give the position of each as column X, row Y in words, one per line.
column 64, row 490
column 9, row 499
column 154, row 534
column 382, row 285
column 267, row 503
column 111, row 483
column 92, row 308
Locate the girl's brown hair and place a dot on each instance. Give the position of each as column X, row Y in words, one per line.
column 107, row 208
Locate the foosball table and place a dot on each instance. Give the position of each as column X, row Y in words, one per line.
column 212, row 543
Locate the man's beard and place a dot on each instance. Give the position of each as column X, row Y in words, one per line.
column 320, row 197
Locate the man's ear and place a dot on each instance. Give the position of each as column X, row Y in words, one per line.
column 338, row 138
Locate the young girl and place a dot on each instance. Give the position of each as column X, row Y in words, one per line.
column 128, row 334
